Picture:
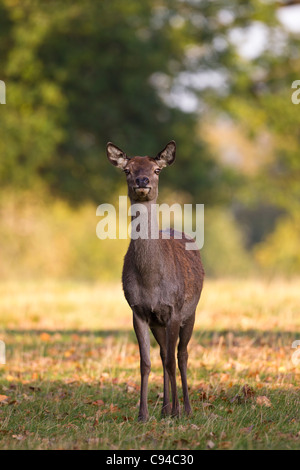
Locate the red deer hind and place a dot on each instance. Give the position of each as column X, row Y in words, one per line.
column 162, row 281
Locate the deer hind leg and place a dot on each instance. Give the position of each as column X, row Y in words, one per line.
column 172, row 332
column 142, row 333
column 185, row 334
column 159, row 333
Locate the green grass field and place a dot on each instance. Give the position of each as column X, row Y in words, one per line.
column 71, row 378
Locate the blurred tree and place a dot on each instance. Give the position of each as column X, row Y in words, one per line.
column 139, row 74
column 82, row 73
column 258, row 98
column 279, row 252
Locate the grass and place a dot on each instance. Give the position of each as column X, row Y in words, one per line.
column 71, row 378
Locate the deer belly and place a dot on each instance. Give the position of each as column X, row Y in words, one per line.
column 158, row 314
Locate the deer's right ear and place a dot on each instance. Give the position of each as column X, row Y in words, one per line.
column 116, row 156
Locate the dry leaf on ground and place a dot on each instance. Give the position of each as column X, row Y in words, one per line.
column 4, row 398
column 210, row 444
column 263, row 401
column 207, row 405
column 246, row 430
column 98, row 402
column 248, row 392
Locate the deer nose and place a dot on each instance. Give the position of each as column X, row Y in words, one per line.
column 142, row 182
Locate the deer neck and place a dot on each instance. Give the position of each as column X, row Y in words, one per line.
column 148, row 256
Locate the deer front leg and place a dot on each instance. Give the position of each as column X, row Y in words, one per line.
column 184, row 338
column 172, row 333
column 142, row 333
column 159, row 333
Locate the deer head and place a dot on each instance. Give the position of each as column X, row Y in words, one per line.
column 142, row 173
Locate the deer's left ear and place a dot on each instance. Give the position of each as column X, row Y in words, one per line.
column 167, row 155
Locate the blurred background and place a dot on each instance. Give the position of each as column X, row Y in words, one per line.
column 216, row 76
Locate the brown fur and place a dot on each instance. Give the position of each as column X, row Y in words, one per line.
column 162, row 281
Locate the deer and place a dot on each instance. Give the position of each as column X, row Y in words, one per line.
column 162, row 281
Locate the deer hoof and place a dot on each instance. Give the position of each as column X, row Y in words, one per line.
column 143, row 418
column 175, row 413
column 166, row 411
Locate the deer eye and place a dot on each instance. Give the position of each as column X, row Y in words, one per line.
column 126, row 171
column 157, row 171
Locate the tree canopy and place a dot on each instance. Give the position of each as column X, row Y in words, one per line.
column 80, row 73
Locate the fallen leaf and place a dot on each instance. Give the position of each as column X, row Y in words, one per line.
column 131, row 389
column 45, row 337
column 224, row 377
column 210, row 444
column 75, row 337
column 70, row 426
column 114, row 408
column 19, row 437
column 207, row 405
column 202, row 395
column 4, row 399
column 225, row 445
column 97, row 416
column 10, row 378
column 98, row 402
column 181, row 442
column 68, row 353
column 248, row 391
column 69, row 381
column 246, row 430
column 263, row 401
column 127, row 418
column 196, row 428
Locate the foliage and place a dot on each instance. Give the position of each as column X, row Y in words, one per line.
column 279, row 253
column 79, row 74
column 224, row 252
column 77, row 387
column 48, row 238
